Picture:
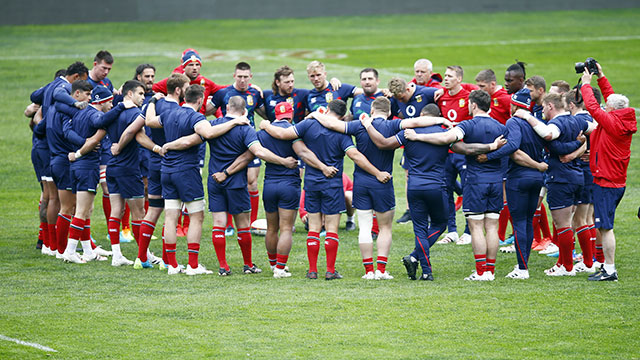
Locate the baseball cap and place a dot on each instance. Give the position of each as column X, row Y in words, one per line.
column 283, row 111
column 100, row 94
column 190, row 56
column 522, row 99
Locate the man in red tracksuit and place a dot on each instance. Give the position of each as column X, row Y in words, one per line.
column 609, row 159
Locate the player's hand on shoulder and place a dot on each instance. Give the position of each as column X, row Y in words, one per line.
column 264, row 124
column 448, row 123
column 410, row 134
column 335, row 83
column 257, row 88
column 521, row 113
column 290, row 162
column 80, row 104
column 242, row 120
column 366, row 120
column 438, row 94
column 386, row 93
column 383, row 177
column 158, row 95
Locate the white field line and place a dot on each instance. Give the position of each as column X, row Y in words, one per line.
column 33, row 345
column 287, row 52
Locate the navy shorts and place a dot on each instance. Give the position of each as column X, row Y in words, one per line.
column 144, row 165
column 85, row 179
column 105, row 154
column 185, row 185
column 380, row 199
column 127, row 186
column 605, row 202
column 562, row 195
column 40, row 159
column 154, row 182
column 328, row 201
column 233, row 201
column 61, row 174
column 255, row 163
column 482, row 198
column 279, row 193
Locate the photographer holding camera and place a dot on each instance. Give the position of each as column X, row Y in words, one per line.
column 609, row 158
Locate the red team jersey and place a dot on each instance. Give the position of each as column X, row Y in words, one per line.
column 500, row 106
column 210, row 88
column 455, row 107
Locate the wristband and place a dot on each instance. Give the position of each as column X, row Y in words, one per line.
column 153, row 100
column 78, row 154
column 225, row 172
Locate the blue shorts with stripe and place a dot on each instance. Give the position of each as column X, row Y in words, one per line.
column 233, row 201
column 379, row 199
column 281, row 193
column 328, row 201
column 482, row 198
column 562, row 195
column 40, row 160
column 127, row 186
column 185, row 185
column 85, row 179
column 61, row 173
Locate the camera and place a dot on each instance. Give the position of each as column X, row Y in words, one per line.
column 590, row 64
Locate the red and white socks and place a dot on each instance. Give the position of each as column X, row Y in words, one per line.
column 244, row 240
column 313, row 248
column 220, row 245
column 255, row 204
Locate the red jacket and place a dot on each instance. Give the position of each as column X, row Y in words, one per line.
column 611, row 140
column 210, row 88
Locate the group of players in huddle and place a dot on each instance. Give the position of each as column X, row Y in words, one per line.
column 145, row 144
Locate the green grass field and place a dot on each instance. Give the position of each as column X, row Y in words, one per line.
column 97, row 311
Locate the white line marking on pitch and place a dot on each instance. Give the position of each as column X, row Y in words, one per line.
column 314, row 53
column 33, row 345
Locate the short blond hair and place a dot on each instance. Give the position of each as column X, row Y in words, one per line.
column 315, row 65
column 397, row 86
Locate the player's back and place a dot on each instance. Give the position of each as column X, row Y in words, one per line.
column 381, row 159
column 482, row 130
column 329, row 146
column 127, row 161
column 425, row 161
column 282, row 148
column 570, row 127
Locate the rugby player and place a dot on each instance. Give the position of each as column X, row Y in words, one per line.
column 255, row 103
column 514, row 77
column 523, row 182
column 85, row 173
column 57, row 91
column 282, row 190
column 408, row 101
column 454, row 106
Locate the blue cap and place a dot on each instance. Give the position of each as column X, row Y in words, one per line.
column 522, row 99
column 100, row 94
column 190, row 56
